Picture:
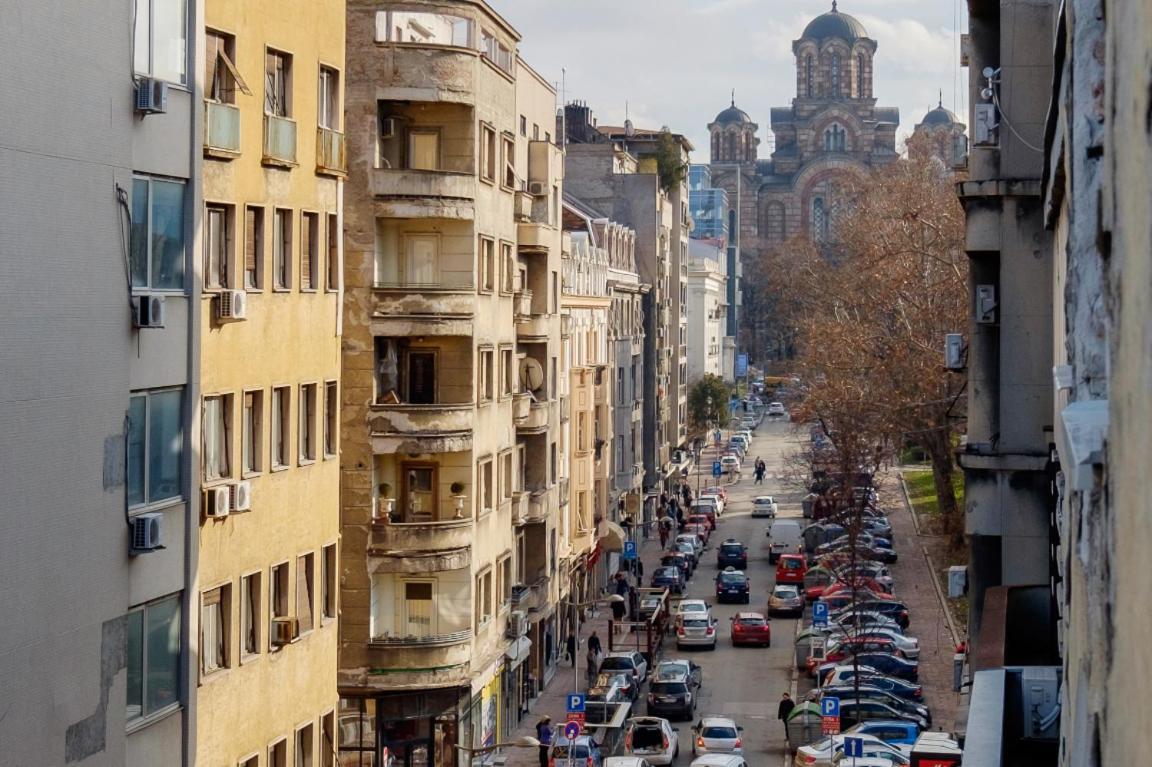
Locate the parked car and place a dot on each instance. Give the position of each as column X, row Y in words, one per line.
column 672, row 698
column 751, row 628
column 719, row 760
column 840, row 649
column 612, row 687
column 732, row 553
column 790, row 568
column 785, row 600
column 863, row 551
column 716, row 490
column 717, row 734
column 833, row 674
column 894, row 732
column 863, row 621
column 729, row 464
column 651, row 738
column 776, row 409
column 909, row 647
column 856, row 710
column 719, row 501
column 891, row 665
column 625, row 761
column 872, row 758
column 677, row 668
column 679, row 561
column 821, row 753
column 649, row 604
column 783, row 538
column 704, row 531
column 668, row 578
column 732, row 585
column 696, row 542
column 696, row 632
column 583, row 750
column 764, row 506
column 626, row 660
column 868, row 692
column 688, row 549
column 708, row 504
column 708, row 520
column 892, row 608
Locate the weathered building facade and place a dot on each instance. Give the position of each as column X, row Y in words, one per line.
column 451, row 458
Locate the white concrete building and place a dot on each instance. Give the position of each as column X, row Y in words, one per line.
column 708, row 311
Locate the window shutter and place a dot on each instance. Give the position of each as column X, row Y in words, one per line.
column 213, row 44
column 250, row 242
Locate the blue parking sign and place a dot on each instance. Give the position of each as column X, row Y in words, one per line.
column 629, row 550
column 717, row 469
column 576, row 703
column 830, row 707
column 819, row 613
column 853, row 747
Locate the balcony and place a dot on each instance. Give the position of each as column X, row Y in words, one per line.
column 521, row 405
column 535, row 237
column 331, row 159
column 221, row 130
column 448, row 537
column 522, row 206
column 540, row 504
column 533, row 328
column 532, row 596
column 539, row 418
column 279, row 141
column 402, row 193
column 404, row 428
column 523, row 304
column 409, row 309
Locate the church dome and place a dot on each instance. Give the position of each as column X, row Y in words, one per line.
column 732, row 114
column 939, row 116
column 834, row 24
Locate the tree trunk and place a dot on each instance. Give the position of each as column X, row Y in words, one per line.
column 939, row 448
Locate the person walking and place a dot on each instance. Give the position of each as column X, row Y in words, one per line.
column 618, row 612
column 570, row 647
column 663, row 524
column 544, row 735
column 784, row 710
column 594, row 644
column 592, row 662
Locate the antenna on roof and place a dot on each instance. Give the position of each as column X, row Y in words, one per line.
column 733, row 97
column 834, row 7
column 941, row 102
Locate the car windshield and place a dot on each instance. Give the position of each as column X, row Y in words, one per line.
column 669, row 688
column 667, row 572
column 667, row 671
column 763, row 501
column 732, row 548
column 733, row 578
column 752, row 621
column 783, row 593
column 693, row 607
column 607, row 680
column 616, row 663
column 719, row 731
column 791, row 564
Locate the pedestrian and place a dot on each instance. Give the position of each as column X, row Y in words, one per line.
column 544, row 735
column 662, row 525
column 783, row 710
column 593, row 663
column 621, row 584
column 638, row 569
column 618, row 613
column 570, row 647
column 594, row 644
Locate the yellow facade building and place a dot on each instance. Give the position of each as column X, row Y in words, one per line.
column 268, row 423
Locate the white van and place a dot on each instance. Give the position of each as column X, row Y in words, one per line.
column 784, row 537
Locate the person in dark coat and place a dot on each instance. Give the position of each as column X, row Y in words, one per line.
column 784, row 709
column 570, row 647
column 618, row 613
column 544, row 735
column 594, row 644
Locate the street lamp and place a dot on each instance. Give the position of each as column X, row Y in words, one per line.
column 524, row 741
column 577, row 607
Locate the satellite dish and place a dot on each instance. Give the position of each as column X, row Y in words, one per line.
column 531, row 374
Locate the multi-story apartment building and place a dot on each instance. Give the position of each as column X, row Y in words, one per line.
column 268, row 414
column 100, row 317
column 708, row 307
column 451, row 458
column 715, row 221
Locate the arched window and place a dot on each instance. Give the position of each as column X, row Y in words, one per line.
column 835, row 138
column 772, row 223
column 716, row 146
column 835, row 75
column 860, row 94
column 808, row 75
column 819, row 220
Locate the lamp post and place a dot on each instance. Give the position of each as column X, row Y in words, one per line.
column 524, row 741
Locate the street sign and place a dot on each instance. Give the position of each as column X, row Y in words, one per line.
column 830, row 715
column 717, row 469
column 819, row 613
column 741, row 365
column 572, row 729
column 629, row 550
column 854, row 747
column 576, row 703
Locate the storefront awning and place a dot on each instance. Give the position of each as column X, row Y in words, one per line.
column 517, row 652
column 612, row 538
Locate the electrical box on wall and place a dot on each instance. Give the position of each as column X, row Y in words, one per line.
column 954, row 351
column 984, row 128
column 986, row 304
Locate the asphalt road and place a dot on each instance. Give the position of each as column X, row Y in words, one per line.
column 746, row 683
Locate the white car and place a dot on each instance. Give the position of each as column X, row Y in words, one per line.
column 692, row 608
column 621, row 761
column 776, row 408
column 764, row 506
column 628, row 661
column 717, row 735
column 652, row 739
column 729, row 464
column 693, row 539
column 716, row 499
column 822, row 752
column 719, row 760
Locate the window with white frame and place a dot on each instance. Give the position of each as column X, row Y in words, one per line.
column 487, row 152
column 485, row 390
column 508, row 162
column 328, row 99
column 508, row 370
column 152, row 657
column 504, row 580
column 160, row 47
column 486, row 478
column 278, row 753
column 250, row 608
column 508, row 270
column 483, row 597
column 218, row 246
column 217, row 434
column 278, row 591
column 157, row 251
column 155, row 446
column 251, row 433
column 221, row 78
column 281, row 396
column 250, row 761
column 282, row 249
column 328, row 743
column 215, row 629
column 506, row 480
column 307, row 431
column 332, row 273
column 253, row 248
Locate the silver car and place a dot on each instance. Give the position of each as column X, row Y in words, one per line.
column 696, row 632
column 910, row 646
column 785, row 600
column 717, row 735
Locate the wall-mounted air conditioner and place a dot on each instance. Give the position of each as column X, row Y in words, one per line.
column 284, row 631
column 537, row 188
column 148, row 311
column 231, row 305
column 147, row 533
column 217, row 501
column 241, row 496
column 151, row 96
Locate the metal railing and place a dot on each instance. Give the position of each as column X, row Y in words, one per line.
column 330, row 154
column 279, row 140
column 221, row 127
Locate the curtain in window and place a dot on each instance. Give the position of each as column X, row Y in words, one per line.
column 304, row 593
column 215, row 439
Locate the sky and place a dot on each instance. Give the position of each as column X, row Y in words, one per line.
column 675, row 62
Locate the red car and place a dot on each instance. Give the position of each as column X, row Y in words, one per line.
column 844, row 649
column 790, row 568
column 707, row 520
column 866, row 587
column 751, row 628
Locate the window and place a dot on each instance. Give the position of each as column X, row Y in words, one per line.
column 217, row 434
column 278, row 591
column 483, row 598
column 277, row 84
column 254, row 248
column 309, row 243
column 153, row 657
column 332, row 274
column 157, row 242
column 278, row 754
column 819, row 220
column 250, row 761
column 421, row 259
column 487, row 265
column 508, row 269
column 860, row 76
column 487, row 152
column 328, row 99
column 506, row 475
column 485, row 392
column 305, row 746
column 328, row 740
column 508, row 372
column 218, row 246
column 328, row 581
column 547, row 137
column 307, row 432
column 250, row 614
column 220, row 75
column 582, row 432
column 424, row 150
column 331, row 418
column 808, row 76
column 215, row 629
column 485, row 477
column 553, row 463
column 504, row 580
column 251, row 442
column 280, row 401
column 523, row 125
column 282, row 249
column 835, row 138
column 508, row 157
column 619, row 453
column 535, row 132
column 305, row 569
column 834, row 66
column 495, row 51
column 155, row 446
column 521, row 466
column 160, row 45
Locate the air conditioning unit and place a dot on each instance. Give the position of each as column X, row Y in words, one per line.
column 232, row 305
column 217, row 501
column 388, row 127
column 537, row 188
column 148, row 311
column 147, row 533
column 285, row 631
column 241, row 496
column 151, row 96
column 517, row 624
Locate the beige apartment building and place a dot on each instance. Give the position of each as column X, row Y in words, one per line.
column 451, row 465
column 268, row 419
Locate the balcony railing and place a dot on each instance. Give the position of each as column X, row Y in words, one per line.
column 415, row 537
column 424, row 640
column 330, row 156
column 221, row 128
column 279, row 140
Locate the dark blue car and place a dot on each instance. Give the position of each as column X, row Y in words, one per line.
column 895, row 732
column 668, row 578
column 732, row 553
column 732, row 586
column 891, row 665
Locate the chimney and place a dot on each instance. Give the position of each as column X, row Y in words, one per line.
column 580, row 124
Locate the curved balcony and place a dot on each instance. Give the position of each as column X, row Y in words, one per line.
column 535, row 237
column 399, row 665
column 532, row 328
column 420, row 547
column 434, row 640
column 404, row 428
column 521, row 405
column 538, row 419
column 540, row 504
column 402, row 193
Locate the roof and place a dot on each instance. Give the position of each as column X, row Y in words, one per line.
column 732, row 114
column 940, row 116
column 834, row 24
